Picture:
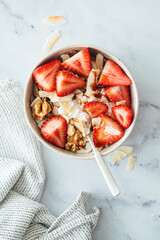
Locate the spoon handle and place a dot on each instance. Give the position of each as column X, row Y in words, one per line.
column 112, row 185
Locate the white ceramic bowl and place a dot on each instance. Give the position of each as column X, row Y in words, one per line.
column 94, row 50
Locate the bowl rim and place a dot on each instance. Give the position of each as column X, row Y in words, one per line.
column 68, row 153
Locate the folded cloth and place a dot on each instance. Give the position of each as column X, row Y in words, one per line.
column 22, row 180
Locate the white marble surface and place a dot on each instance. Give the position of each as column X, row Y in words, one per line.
column 129, row 29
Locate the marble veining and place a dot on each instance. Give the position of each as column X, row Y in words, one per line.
column 130, row 30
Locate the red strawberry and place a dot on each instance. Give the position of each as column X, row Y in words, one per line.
column 80, row 63
column 95, row 108
column 67, row 82
column 119, row 93
column 55, row 131
column 103, row 136
column 123, row 115
column 45, row 75
column 113, row 75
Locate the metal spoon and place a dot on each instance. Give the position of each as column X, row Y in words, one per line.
column 112, row 185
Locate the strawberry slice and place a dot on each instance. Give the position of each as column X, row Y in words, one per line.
column 80, row 63
column 55, row 131
column 67, row 82
column 113, row 75
column 123, row 114
column 45, row 75
column 110, row 132
column 119, row 93
column 95, row 108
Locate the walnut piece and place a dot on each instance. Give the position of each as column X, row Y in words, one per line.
column 40, row 110
column 75, row 142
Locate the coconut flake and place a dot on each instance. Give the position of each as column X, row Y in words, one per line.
column 36, row 100
column 99, row 61
column 92, row 83
column 52, row 38
column 116, row 156
column 97, row 122
column 123, row 102
column 65, row 57
column 112, row 131
column 79, row 124
column 54, row 20
column 131, row 163
column 43, row 94
column 55, row 98
column 70, row 130
column 66, row 106
column 127, row 149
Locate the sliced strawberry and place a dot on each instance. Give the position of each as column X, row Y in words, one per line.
column 67, row 82
column 55, row 131
column 113, row 75
column 45, row 75
column 123, row 114
column 119, row 93
column 80, row 63
column 110, row 132
column 95, row 108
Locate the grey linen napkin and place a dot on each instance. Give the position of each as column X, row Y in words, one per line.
column 22, row 180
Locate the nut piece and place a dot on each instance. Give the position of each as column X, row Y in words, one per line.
column 40, row 110
column 76, row 141
column 74, row 148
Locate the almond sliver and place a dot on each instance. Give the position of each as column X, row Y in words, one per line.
column 52, row 38
column 54, row 20
column 131, row 163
